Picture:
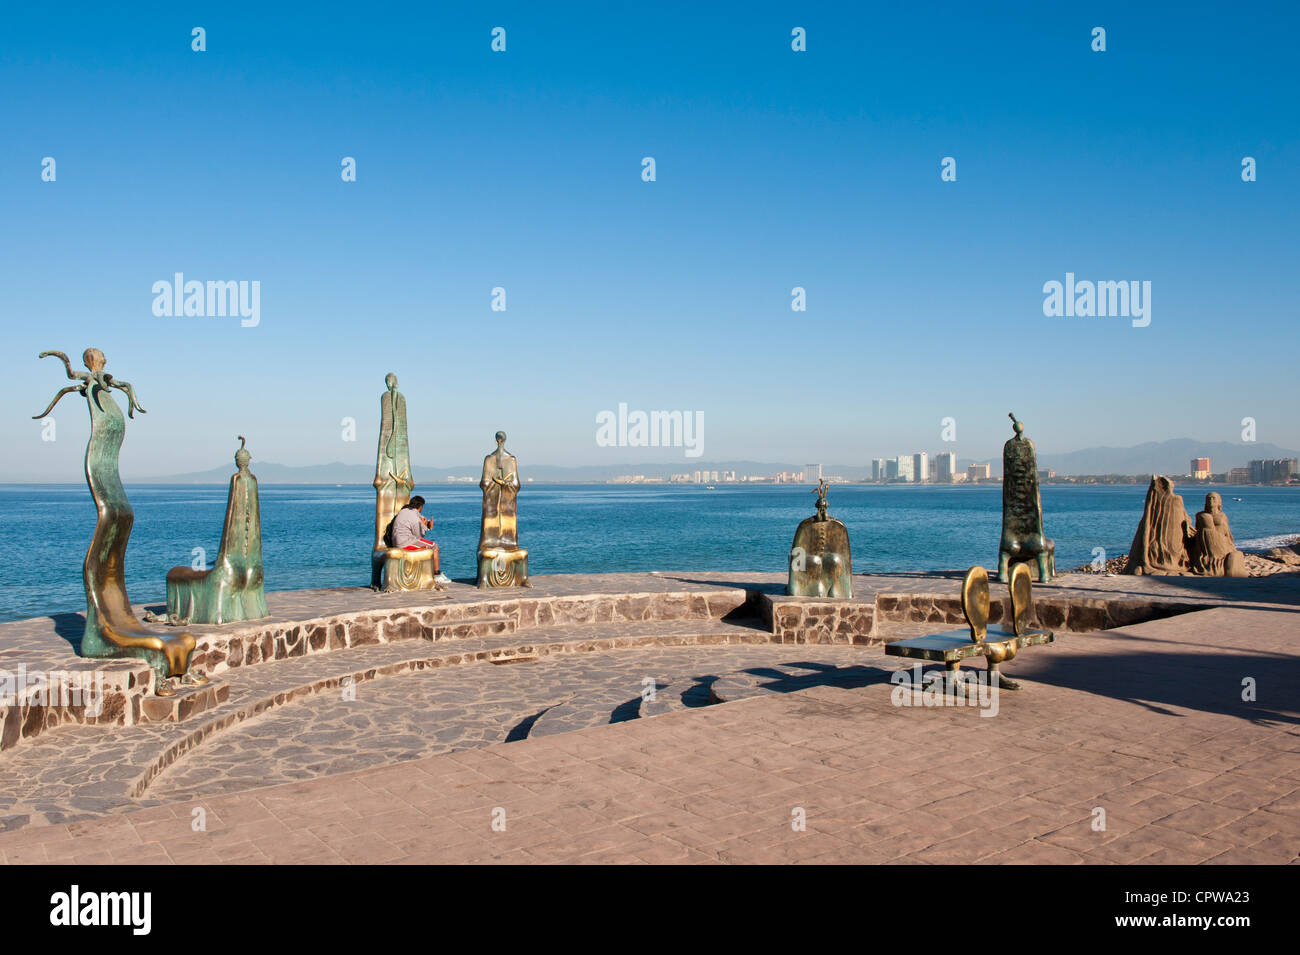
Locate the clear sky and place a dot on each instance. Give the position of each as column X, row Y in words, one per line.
column 775, row 169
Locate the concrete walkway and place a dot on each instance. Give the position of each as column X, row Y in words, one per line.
column 1126, row 745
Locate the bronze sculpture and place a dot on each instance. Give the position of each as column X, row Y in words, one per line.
column 233, row 589
column 1167, row 542
column 997, row 645
column 820, row 562
column 1022, row 510
column 112, row 629
column 392, row 568
column 501, row 561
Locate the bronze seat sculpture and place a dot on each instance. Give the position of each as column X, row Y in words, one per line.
column 233, row 588
column 996, row 644
column 112, row 628
column 1022, row 510
column 501, row 561
column 394, row 568
column 820, row 562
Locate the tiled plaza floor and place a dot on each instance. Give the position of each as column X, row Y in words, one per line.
column 1172, row 741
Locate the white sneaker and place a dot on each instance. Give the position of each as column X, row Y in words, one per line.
column 442, row 579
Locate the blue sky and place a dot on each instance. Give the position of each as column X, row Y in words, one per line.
column 775, row 169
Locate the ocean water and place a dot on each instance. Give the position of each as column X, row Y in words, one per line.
column 319, row 536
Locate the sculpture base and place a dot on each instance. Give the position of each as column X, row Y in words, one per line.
column 168, row 654
column 1044, row 564
column 498, row 567
column 203, row 597
column 398, row 570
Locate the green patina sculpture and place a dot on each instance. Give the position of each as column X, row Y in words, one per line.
column 501, row 561
column 1022, row 510
column 820, row 562
column 392, row 568
column 112, row 629
column 233, row 588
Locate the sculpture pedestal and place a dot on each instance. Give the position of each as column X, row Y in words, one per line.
column 405, row 570
column 502, row 567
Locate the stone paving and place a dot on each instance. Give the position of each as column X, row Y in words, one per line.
column 72, row 771
column 441, row 711
column 1151, row 724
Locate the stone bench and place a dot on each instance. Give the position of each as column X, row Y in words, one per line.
column 996, row 644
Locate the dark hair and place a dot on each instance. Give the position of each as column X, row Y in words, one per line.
column 416, row 502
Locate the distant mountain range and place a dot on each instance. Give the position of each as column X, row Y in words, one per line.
column 1153, row 457
column 1159, row 457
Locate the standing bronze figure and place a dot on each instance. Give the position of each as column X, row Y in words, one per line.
column 392, row 568
column 112, row 629
column 1022, row 510
column 820, row 562
column 501, row 561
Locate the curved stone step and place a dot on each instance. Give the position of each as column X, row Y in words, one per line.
column 34, row 776
column 277, row 684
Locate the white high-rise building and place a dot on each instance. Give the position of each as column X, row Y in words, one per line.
column 947, row 467
column 905, row 467
column 878, row 469
column 921, row 467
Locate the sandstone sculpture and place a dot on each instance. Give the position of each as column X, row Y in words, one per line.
column 1167, row 542
column 1214, row 553
column 820, row 562
column 1160, row 544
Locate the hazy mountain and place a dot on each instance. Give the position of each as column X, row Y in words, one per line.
column 1153, row 457
column 1158, row 457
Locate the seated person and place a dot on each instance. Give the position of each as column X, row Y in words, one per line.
column 408, row 527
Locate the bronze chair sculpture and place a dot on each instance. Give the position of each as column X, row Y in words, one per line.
column 820, row 562
column 501, row 561
column 233, row 589
column 112, row 628
column 1022, row 510
column 393, row 568
column 996, row 644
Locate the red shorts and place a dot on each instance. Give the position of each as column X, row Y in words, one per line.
column 421, row 544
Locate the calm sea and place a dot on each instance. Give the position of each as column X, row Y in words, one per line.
column 319, row 536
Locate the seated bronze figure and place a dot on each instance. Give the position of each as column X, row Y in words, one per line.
column 233, row 588
column 820, row 563
column 1022, row 510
